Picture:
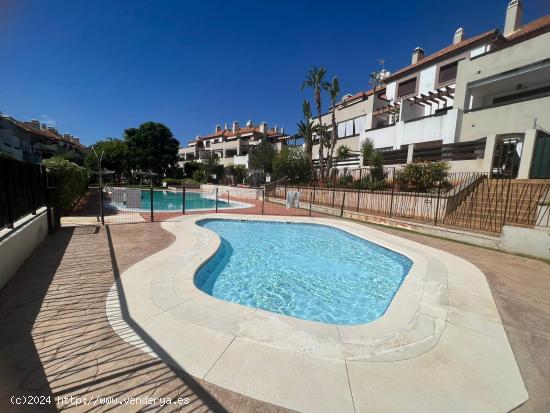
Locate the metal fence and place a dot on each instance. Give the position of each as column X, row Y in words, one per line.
column 134, row 204
column 470, row 201
column 23, row 190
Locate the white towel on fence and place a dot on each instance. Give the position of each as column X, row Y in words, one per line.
column 292, row 199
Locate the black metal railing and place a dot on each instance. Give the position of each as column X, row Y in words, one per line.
column 22, row 190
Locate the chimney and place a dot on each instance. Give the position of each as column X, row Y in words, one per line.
column 225, row 126
column 235, row 127
column 275, row 129
column 459, row 35
column 249, row 124
column 34, row 124
column 282, row 131
column 218, row 128
column 77, row 140
column 514, row 14
column 263, row 128
column 418, row 54
column 44, row 126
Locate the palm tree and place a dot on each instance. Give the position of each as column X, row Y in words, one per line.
column 315, row 79
column 334, row 91
column 305, row 130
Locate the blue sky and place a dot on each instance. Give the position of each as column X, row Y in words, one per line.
column 98, row 67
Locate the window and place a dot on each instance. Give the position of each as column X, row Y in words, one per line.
column 408, row 87
column 447, row 72
column 351, row 127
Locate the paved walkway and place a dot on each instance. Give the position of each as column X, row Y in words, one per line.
column 55, row 339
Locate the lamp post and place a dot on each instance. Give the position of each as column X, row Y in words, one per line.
column 99, row 160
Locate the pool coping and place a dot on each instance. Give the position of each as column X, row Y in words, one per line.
column 160, row 291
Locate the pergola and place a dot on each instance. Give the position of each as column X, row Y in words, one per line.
column 443, row 94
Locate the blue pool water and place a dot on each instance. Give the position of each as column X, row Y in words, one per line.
column 173, row 201
column 309, row 271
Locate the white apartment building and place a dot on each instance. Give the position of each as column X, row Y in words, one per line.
column 482, row 103
column 231, row 146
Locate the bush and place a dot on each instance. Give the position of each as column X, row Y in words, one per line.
column 190, row 167
column 199, row 176
column 291, row 164
column 424, row 176
column 71, row 180
column 172, row 181
column 345, row 180
column 237, row 171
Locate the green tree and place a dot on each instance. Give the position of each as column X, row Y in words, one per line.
column 315, row 80
column 292, row 165
column 261, row 156
column 238, row 172
column 343, row 152
column 211, row 167
column 115, row 157
column 151, row 146
column 305, row 130
column 333, row 91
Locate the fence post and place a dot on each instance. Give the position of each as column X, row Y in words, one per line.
column 358, row 199
column 151, row 192
column 285, row 190
column 507, row 203
column 342, row 208
column 333, row 195
column 311, row 194
column 101, row 214
column 437, row 204
column 183, row 201
column 216, row 200
column 392, row 191
column 263, row 199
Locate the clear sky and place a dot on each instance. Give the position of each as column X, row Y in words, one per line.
column 98, row 67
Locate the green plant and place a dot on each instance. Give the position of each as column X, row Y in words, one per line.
column 291, row 164
column 345, row 180
column 424, row 176
column 343, row 152
column 315, row 79
column 199, row 176
column 237, row 171
column 261, row 156
column 71, row 180
column 172, row 181
column 190, row 167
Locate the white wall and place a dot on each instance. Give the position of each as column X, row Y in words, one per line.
column 432, row 128
column 16, row 247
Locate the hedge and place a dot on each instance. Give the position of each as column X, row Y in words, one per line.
column 71, row 180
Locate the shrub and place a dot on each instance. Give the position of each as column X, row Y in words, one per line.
column 71, row 180
column 291, row 164
column 423, row 176
column 172, row 181
column 190, row 167
column 199, row 176
column 237, row 171
column 345, row 180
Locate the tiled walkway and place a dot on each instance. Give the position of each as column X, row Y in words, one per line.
column 55, row 339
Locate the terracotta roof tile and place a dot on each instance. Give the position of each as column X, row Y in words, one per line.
column 542, row 23
column 441, row 53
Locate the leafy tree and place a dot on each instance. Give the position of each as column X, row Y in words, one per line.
column 367, row 149
column 237, row 171
column 151, row 146
column 315, row 80
column 333, row 91
column 343, row 152
column 115, row 156
column 210, row 165
column 261, row 156
column 292, row 165
column 305, row 130
column 190, row 167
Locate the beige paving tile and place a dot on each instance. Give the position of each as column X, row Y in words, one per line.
column 292, row 380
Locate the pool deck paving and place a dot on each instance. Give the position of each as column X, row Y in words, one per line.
column 56, row 338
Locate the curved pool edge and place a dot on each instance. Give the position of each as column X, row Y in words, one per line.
column 201, row 332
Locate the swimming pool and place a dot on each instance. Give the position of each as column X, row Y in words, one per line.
column 171, row 200
column 309, row 271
